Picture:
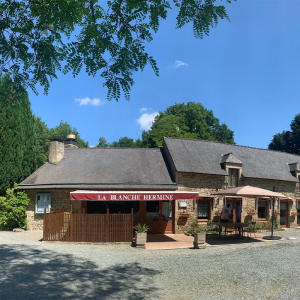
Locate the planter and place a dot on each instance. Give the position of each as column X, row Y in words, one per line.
column 294, row 214
column 218, row 214
column 252, row 213
column 277, row 213
column 184, row 215
column 140, row 238
column 199, row 240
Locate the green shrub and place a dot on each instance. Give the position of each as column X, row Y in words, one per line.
column 141, row 228
column 12, row 209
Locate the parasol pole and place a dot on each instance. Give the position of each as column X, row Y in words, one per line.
column 272, row 237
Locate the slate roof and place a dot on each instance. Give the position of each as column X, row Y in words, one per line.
column 104, row 168
column 204, row 157
column 230, row 158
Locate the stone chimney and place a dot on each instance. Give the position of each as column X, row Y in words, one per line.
column 56, row 151
column 70, row 142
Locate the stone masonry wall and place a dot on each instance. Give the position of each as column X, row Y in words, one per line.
column 207, row 184
column 60, row 198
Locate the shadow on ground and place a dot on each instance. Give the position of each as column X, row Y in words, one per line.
column 214, row 240
column 29, row 273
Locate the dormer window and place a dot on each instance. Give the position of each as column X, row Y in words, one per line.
column 233, row 177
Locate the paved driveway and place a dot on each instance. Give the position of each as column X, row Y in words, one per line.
column 31, row 269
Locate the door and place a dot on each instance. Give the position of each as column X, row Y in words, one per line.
column 167, row 216
column 298, row 210
column 284, row 213
column 153, row 216
column 232, row 208
column 158, row 216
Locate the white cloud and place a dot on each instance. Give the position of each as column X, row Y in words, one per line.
column 179, row 63
column 146, row 120
column 87, row 100
column 143, row 109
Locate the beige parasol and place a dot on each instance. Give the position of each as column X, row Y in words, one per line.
column 248, row 191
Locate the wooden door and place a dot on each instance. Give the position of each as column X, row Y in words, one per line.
column 284, row 214
column 166, row 208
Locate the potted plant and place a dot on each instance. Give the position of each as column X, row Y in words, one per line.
column 141, row 234
column 184, row 214
column 199, row 238
column 294, row 214
column 251, row 212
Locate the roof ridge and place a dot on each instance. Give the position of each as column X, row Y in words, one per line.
column 216, row 142
column 93, row 148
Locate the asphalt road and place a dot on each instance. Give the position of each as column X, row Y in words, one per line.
column 31, row 269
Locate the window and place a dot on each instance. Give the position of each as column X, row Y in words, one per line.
column 233, row 177
column 298, row 187
column 42, row 201
column 203, row 209
column 263, row 209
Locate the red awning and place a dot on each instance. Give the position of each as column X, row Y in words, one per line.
column 264, row 199
column 131, row 196
column 286, row 200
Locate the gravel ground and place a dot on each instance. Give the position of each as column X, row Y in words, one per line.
column 31, row 269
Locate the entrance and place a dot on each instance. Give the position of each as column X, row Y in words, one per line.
column 284, row 213
column 298, row 211
column 232, row 202
column 157, row 215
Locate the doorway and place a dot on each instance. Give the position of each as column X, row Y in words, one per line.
column 284, row 214
column 158, row 216
column 232, row 202
column 298, row 211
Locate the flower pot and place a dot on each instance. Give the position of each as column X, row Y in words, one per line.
column 252, row 213
column 294, row 214
column 140, row 238
column 199, row 240
column 277, row 213
column 184, row 215
column 218, row 214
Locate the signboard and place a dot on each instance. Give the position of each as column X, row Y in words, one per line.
column 131, row 196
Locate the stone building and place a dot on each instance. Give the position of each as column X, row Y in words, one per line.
column 167, row 188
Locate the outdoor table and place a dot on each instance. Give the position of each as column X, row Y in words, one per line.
column 230, row 225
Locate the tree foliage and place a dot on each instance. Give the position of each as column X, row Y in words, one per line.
column 37, row 38
column 191, row 120
column 288, row 141
column 43, row 136
column 63, row 129
column 12, row 209
column 17, row 138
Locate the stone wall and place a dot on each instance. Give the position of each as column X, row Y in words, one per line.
column 207, row 184
column 60, row 198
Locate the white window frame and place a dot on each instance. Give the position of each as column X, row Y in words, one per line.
column 36, row 204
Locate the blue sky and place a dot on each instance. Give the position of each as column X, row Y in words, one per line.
column 246, row 72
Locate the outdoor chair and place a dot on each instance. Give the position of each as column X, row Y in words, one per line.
column 251, row 228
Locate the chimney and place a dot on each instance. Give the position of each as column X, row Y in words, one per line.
column 70, row 142
column 56, row 151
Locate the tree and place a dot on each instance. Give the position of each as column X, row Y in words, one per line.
column 63, row 129
column 124, row 142
column 37, row 37
column 17, row 138
column 189, row 120
column 12, row 209
column 43, row 136
column 288, row 141
column 102, row 143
